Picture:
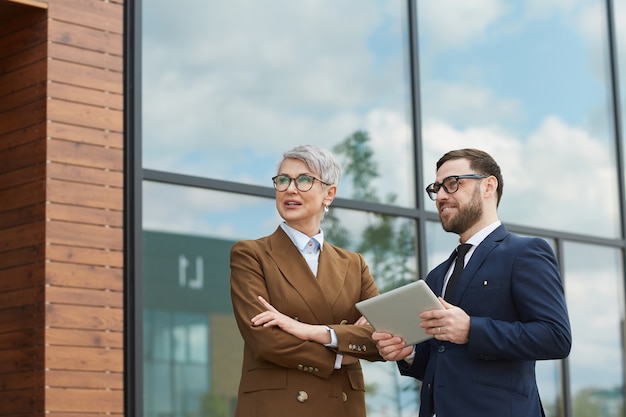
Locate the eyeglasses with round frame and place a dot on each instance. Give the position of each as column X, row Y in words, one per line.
column 451, row 184
column 303, row 182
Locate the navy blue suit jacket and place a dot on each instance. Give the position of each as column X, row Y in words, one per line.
column 512, row 290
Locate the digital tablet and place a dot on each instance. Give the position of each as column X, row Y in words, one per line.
column 397, row 311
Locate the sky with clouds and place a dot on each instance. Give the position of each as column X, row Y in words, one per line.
column 527, row 81
column 227, row 88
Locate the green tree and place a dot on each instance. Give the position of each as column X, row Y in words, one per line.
column 599, row 402
column 387, row 241
column 585, row 405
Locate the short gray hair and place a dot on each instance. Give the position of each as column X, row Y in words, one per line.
column 318, row 160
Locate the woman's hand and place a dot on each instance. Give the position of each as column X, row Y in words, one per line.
column 303, row 331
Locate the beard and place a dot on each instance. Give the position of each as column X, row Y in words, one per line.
column 466, row 217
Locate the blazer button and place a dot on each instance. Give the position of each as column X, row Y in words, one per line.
column 302, row 396
column 441, row 348
column 344, row 396
column 344, row 322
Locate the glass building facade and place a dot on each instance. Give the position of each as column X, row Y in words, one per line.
column 389, row 86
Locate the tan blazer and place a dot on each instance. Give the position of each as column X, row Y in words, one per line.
column 283, row 376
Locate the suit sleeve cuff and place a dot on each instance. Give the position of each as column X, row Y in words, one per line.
column 333, row 344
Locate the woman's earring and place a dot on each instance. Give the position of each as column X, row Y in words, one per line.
column 326, row 209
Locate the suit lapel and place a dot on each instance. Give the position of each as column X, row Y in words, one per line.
column 331, row 273
column 478, row 257
column 297, row 273
column 441, row 274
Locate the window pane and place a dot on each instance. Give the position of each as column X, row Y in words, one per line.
column 529, row 83
column 230, row 86
column 388, row 245
column 439, row 244
column 188, row 320
column 550, row 387
column 594, row 293
column 190, row 224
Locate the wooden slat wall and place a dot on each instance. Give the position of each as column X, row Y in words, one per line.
column 61, row 209
column 84, row 274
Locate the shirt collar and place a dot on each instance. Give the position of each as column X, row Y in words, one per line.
column 483, row 233
column 300, row 239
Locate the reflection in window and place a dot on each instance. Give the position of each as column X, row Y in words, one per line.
column 229, row 87
column 192, row 348
column 595, row 299
column 550, row 387
column 527, row 82
column 186, row 324
column 175, row 362
column 439, row 244
column 388, row 245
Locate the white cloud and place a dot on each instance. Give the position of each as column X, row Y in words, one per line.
column 452, row 23
column 390, row 136
column 574, row 178
column 560, row 177
column 241, row 82
column 468, row 104
column 440, row 137
column 592, row 26
column 193, row 211
column 541, row 9
column 288, row 63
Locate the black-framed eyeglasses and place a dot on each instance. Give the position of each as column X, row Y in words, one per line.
column 303, row 182
column 450, row 184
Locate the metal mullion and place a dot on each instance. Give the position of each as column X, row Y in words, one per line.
column 133, row 307
column 422, row 254
column 619, row 150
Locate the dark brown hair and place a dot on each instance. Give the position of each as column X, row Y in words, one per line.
column 480, row 161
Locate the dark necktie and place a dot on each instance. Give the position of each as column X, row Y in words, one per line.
column 461, row 251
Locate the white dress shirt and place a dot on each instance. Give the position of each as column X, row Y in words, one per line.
column 310, row 248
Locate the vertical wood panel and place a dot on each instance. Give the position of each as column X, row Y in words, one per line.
column 22, row 200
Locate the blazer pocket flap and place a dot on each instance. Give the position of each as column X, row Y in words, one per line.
column 356, row 379
column 259, row 379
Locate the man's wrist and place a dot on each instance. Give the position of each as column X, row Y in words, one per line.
column 409, row 358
